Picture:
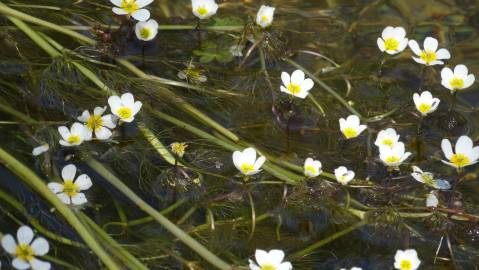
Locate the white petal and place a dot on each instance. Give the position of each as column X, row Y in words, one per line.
column 116, row 2
column 284, row 90
column 285, row 78
column 115, row 103
column 103, row 133
column 55, row 187
column 276, row 256
column 402, row 45
column 136, row 107
column 259, row 162
column 381, row 46
column 285, row 266
column 460, row 71
column 417, row 99
column 261, row 257
column 83, row 182
column 40, row 246
column 430, row 44
column 127, row 100
column 9, row 243
column 79, row 199
column 69, row 172
column 446, row 148
column 64, row 198
column 297, row 77
column 353, row 120
column 388, row 32
column 414, row 47
column 443, row 54
column 99, row 110
column 141, row 15
column 25, row 235
column 84, row 117
column 20, row 264
column 119, row 11
column 307, row 85
column 464, row 145
column 64, row 132
column 249, row 155
column 237, row 159
column 399, row 33
column 419, row 60
column 469, row 80
column 143, row 3
column 40, row 149
column 447, row 74
column 109, row 121
column 40, row 265
column 78, row 129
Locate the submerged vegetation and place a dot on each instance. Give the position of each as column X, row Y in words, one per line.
column 202, row 134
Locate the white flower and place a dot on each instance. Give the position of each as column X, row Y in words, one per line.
column 272, row 260
column 428, row 179
column 457, row 80
column 406, row 260
column 265, row 15
column 25, row 249
column 70, row 191
column 125, row 107
column 393, row 40
column 466, row 154
column 73, row 136
column 393, row 156
column 430, row 56
column 134, row 8
column 312, row 168
column 387, row 137
column 203, row 9
column 246, row 161
column 296, row 84
column 146, row 31
column 343, row 175
column 425, row 103
column 40, row 149
column 351, row 127
column 431, row 200
column 98, row 123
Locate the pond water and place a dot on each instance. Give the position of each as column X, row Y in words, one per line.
column 73, row 56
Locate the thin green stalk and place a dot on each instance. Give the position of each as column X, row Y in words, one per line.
column 171, row 227
column 34, row 222
column 326, row 87
column 114, row 247
column 327, row 240
column 27, row 175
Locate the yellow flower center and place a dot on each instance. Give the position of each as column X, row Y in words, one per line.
column 178, row 148
column 129, row 6
column 94, row 122
column 124, row 113
column 264, row 18
column 428, row 56
column 457, row 83
column 268, row 267
column 389, row 142
column 294, row 88
column 310, row 170
column 405, row 265
column 460, row 160
column 246, row 168
column 145, row 33
column 24, row 252
column 73, row 139
column 350, row 133
column 70, row 188
column 428, row 179
column 202, row 11
column 391, row 44
column 392, row 159
column 424, row 108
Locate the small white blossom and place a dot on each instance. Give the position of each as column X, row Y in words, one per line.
column 272, row 260
column 70, row 191
column 40, row 149
column 124, row 107
column 97, row 123
column 265, row 16
column 428, row 179
column 387, row 137
column 147, row 30
column 430, row 56
column 406, row 260
column 458, row 79
column 425, row 103
column 134, row 8
column 312, row 168
column 393, row 40
column 25, row 249
column 466, row 154
column 296, row 84
column 245, row 161
column 393, row 156
column 343, row 175
column 73, row 136
column 203, row 9
column 351, row 127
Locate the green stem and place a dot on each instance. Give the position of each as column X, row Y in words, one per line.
column 39, row 186
column 171, row 227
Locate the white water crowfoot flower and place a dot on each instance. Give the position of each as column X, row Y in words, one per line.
column 70, row 191
column 343, row 175
column 124, row 107
column 147, row 30
column 466, row 154
column 312, row 168
column 393, row 40
column 296, row 84
column 98, row 123
column 458, row 80
column 406, row 260
column 430, row 56
column 133, row 8
column 387, row 137
column 203, row 9
column 393, row 156
column 272, row 260
column 73, row 136
column 425, row 103
column 40, row 149
column 428, row 179
column 351, row 127
column 265, row 16
column 245, row 161
column 25, row 249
